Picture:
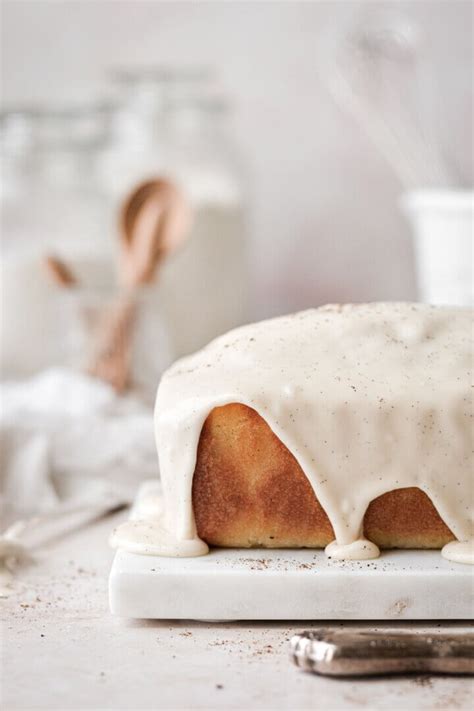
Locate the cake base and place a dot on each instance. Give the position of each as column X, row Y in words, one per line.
column 264, row 584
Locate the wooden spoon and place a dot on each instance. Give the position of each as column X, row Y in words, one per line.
column 154, row 221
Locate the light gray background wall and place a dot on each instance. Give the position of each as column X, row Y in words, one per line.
column 325, row 221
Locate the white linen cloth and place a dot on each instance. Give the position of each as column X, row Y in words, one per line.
column 71, row 450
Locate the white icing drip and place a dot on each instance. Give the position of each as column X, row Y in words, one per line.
column 368, row 399
column 153, row 538
column 362, row 549
column 150, row 507
column 459, row 552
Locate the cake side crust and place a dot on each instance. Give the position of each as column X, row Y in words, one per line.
column 249, row 490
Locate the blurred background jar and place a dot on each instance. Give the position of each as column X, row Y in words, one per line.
column 174, row 125
column 51, row 203
column 69, row 176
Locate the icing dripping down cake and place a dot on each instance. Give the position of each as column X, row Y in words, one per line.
column 345, row 427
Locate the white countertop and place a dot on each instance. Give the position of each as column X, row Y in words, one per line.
column 63, row 650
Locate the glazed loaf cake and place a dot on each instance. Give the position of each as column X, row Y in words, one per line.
column 345, row 426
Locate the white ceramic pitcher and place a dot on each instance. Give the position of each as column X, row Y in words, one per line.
column 442, row 223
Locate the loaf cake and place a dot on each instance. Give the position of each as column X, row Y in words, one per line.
column 344, row 427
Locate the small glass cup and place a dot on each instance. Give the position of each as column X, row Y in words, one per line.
column 120, row 338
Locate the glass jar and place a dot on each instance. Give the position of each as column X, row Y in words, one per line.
column 51, row 203
column 173, row 125
column 51, row 195
column 119, row 337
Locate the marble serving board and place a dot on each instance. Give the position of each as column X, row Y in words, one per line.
column 262, row 584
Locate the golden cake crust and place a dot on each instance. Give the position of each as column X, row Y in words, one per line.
column 249, row 490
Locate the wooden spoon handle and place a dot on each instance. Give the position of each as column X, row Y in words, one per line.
column 58, row 271
column 112, row 354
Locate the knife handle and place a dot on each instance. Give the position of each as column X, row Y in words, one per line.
column 347, row 653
